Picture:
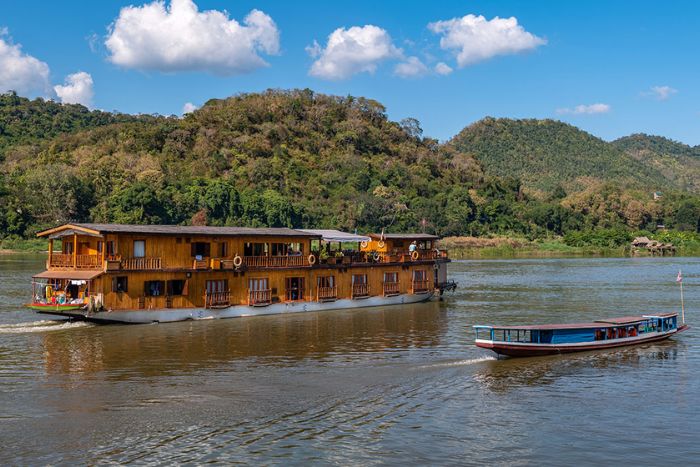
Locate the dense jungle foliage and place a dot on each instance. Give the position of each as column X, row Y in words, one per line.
column 302, row 159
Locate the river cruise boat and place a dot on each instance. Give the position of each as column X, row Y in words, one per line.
column 529, row 341
column 161, row 273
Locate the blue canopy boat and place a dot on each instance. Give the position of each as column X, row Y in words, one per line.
column 527, row 341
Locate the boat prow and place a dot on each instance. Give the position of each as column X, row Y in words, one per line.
column 548, row 339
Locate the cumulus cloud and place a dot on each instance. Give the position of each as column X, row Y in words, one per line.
column 443, row 68
column 77, row 89
column 351, row 51
column 585, row 109
column 661, row 93
column 18, row 71
column 411, row 68
column 189, row 107
column 474, row 38
column 178, row 37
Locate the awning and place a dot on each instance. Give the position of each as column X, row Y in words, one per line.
column 73, row 275
column 71, row 232
column 330, row 235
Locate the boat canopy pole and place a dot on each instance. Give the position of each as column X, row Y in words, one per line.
column 680, row 281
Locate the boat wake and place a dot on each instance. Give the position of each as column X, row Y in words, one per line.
column 470, row 361
column 41, row 326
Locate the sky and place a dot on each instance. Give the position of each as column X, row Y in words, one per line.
column 612, row 68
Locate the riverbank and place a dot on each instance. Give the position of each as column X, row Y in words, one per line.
column 508, row 247
column 23, row 245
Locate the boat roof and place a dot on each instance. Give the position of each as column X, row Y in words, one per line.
column 594, row 324
column 73, row 275
column 101, row 229
column 330, row 235
column 404, row 236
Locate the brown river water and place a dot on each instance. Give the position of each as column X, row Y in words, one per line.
column 395, row 385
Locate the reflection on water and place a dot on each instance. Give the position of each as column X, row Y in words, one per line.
column 399, row 385
column 273, row 340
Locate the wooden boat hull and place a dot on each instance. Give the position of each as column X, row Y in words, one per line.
column 51, row 307
column 518, row 349
column 236, row 311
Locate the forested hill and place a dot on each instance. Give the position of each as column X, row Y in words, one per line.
column 545, row 154
column 302, row 159
column 26, row 122
column 676, row 161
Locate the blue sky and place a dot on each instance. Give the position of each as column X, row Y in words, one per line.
column 610, row 67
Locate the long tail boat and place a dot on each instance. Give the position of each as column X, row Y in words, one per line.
column 548, row 339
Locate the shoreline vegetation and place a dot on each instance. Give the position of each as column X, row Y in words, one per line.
column 297, row 158
column 493, row 247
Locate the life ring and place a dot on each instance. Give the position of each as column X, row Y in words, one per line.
column 363, row 243
column 414, row 255
column 312, row 259
column 376, row 257
column 237, row 261
column 380, row 244
column 436, row 266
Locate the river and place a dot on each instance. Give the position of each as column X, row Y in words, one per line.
column 396, row 385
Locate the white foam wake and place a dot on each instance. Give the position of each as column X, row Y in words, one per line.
column 41, row 326
column 470, row 361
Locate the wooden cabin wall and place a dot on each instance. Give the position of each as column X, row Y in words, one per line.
column 238, row 284
column 179, row 255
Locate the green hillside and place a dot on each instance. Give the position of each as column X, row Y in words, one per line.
column 545, row 154
column 675, row 161
column 302, row 159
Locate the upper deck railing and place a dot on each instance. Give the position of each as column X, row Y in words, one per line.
column 68, row 260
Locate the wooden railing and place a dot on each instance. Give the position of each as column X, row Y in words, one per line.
column 61, row 260
column 391, row 288
column 141, row 264
column 200, row 264
column 217, row 299
column 259, row 297
column 275, row 261
column 65, row 260
column 420, row 286
column 326, row 294
column 360, row 290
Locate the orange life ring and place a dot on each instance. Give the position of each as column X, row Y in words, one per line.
column 363, row 243
column 380, row 244
column 312, row 260
column 414, row 255
column 237, row 261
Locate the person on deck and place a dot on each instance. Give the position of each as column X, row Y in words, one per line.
column 412, row 247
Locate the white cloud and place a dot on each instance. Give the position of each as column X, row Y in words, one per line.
column 189, row 107
column 443, row 68
column 181, row 38
column 350, row 51
column 475, row 39
column 661, row 92
column 411, row 68
column 21, row 72
column 585, row 109
column 77, row 89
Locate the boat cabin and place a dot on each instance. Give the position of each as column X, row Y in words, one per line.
column 602, row 330
column 159, row 267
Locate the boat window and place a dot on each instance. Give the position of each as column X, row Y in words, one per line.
column 214, row 286
column 223, row 249
column 67, row 248
column 100, row 246
column 200, row 249
column 255, row 249
column 420, row 275
column 326, row 281
column 139, row 248
column 294, row 288
column 111, row 251
column 153, row 288
column 358, row 279
column 177, row 287
column 261, row 283
column 391, row 277
column 120, row 284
